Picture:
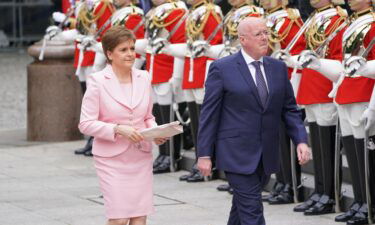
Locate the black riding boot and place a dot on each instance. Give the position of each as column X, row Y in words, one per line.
column 351, row 157
column 327, row 151
column 318, row 170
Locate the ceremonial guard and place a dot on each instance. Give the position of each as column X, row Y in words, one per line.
column 240, row 9
column 130, row 16
column 203, row 28
column 93, row 20
column 321, row 112
column 284, row 23
column 165, row 25
column 352, row 92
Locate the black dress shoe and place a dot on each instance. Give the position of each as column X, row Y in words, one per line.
column 348, row 214
column 88, row 153
column 276, row 189
column 158, row 161
column 285, row 196
column 196, row 177
column 163, row 167
column 358, row 219
column 314, row 198
column 230, row 191
column 88, row 146
column 185, row 177
column 323, row 206
column 223, row 187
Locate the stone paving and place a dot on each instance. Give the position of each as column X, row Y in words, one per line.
column 13, row 89
column 46, row 184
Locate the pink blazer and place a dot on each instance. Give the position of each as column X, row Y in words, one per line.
column 104, row 105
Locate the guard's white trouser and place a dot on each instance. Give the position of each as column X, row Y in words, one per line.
column 197, row 94
column 324, row 114
column 350, row 123
column 99, row 62
column 84, row 72
column 194, row 95
column 163, row 94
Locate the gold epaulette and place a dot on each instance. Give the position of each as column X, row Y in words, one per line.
column 293, row 14
column 72, row 23
column 195, row 28
column 159, row 20
column 341, row 12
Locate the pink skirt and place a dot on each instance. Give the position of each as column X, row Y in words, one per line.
column 126, row 183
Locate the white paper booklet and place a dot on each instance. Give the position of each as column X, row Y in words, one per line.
column 162, row 131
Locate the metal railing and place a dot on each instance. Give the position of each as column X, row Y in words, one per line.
column 17, row 35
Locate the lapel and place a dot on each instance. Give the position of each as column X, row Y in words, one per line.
column 245, row 72
column 268, row 70
column 139, row 87
column 113, row 88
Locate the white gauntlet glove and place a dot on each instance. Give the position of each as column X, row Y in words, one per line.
column 86, row 43
column 158, row 45
column 58, row 17
column 199, row 48
column 369, row 116
column 309, row 59
column 52, row 31
column 354, row 64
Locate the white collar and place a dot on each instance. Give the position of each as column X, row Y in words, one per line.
column 249, row 59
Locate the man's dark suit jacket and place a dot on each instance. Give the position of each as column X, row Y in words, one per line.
column 234, row 128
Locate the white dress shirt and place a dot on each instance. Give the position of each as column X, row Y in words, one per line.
column 252, row 69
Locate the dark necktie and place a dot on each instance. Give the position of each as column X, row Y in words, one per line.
column 261, row 83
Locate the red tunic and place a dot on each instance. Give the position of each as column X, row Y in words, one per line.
column 353, row 90
column 131, row 23
column 299, row 46
column 65, row 5
column 314, row 87
column 163, row 64
column 89, row 56
column 199, row 70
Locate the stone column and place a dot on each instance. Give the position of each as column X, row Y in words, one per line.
column 53, row 94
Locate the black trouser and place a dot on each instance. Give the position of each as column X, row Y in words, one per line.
column 194, row 111
column 353, row 163
column 162, row 116
column 322, row 139
column 83, row 87
column 360, row 151
column 285, row 174
column 327, row 135
column 317, row 157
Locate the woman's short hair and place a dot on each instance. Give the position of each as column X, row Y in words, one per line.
column 115, row 36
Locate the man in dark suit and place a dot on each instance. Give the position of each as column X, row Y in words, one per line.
column 247, row 96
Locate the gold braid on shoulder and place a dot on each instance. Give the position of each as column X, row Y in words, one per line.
column 159, row 21
column 87, row 17
column 316, row 33
column 194, row 28
column 275, row 37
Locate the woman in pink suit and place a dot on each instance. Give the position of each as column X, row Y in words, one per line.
column 116, row 106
